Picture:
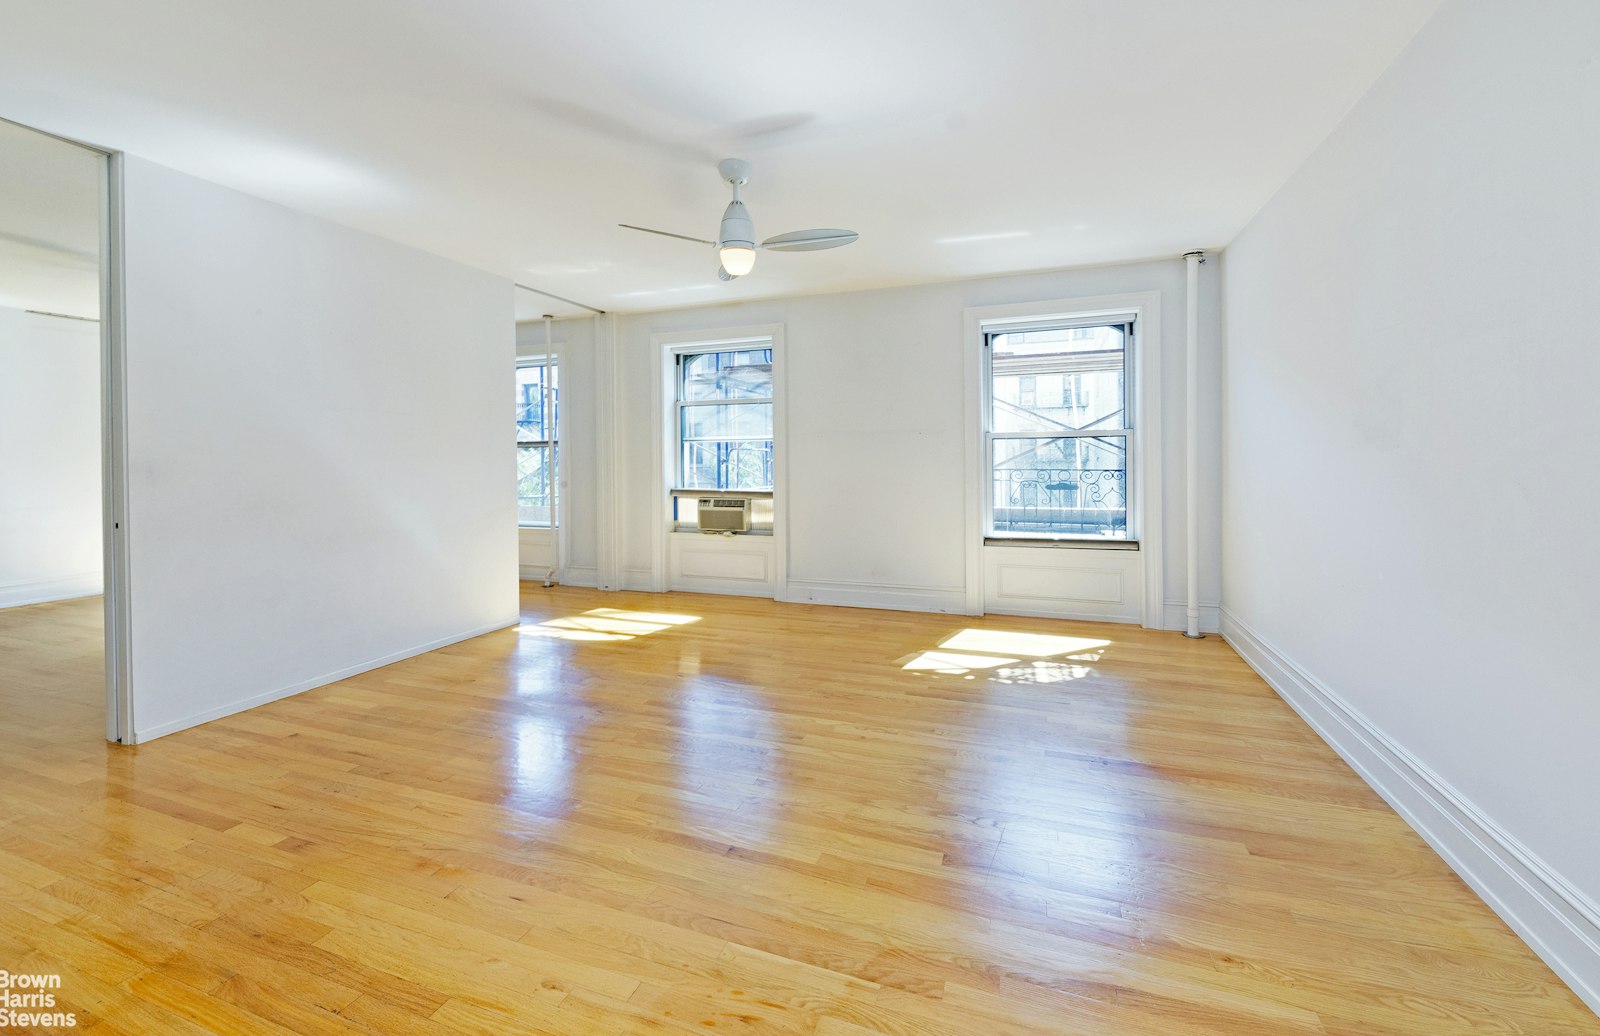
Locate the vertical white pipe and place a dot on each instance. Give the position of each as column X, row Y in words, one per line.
column 1191, row 375
column 550, row 431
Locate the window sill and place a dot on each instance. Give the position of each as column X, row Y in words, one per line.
column 697, row 532
column 1069, row 544
column 722, row 492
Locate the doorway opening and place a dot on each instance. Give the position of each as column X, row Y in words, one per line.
column 62, row 573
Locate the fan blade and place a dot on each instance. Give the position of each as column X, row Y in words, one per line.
column 724, row 275
column 809, row 240
column 667, row 233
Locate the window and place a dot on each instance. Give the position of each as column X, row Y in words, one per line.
column 1057, row 431
column 724, row 426
column 538, row 418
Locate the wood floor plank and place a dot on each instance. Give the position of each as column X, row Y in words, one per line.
column 753, row 819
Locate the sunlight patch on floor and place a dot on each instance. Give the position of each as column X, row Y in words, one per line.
column 1014, row 657
column 607, row 624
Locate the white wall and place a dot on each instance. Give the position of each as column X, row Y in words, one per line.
column 320, row 458
column 875, row 416
column 50, row 543
column 1412, row 472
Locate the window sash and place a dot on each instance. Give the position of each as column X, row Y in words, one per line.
column 685, row 442
column 536, row 502
column 1123, row 431
column 549, row 426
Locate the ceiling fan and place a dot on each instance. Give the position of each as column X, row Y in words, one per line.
column 736, row 240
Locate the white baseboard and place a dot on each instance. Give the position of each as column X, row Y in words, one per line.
column 143, row 734
column 727, row 589
column 84, row 584
column 1558, row 921
column 638, row 579
column 575, row 575
column 893, row 596
column 1067, row 611
column 1175, row 616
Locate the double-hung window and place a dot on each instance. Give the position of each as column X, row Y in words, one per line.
column 724, row 420
column 1057, row 432
column 538, row 405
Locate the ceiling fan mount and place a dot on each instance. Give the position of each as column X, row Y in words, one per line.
column 735, row 171
column 736, row 237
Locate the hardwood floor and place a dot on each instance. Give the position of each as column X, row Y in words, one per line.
column 757, row 821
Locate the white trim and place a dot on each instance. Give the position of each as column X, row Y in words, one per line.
column 1559, row 922
column 1144, row 397
column 43, row 591
column 667, row 347
column 849, row 593
column 206, row 716
column 780, row 464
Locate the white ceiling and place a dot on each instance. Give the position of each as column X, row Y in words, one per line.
column 959, row 139
column 49, row 224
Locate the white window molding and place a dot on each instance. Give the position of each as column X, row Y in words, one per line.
column 667, row 347
column 1144, row 397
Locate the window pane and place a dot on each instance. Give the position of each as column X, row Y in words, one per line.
column 1063, row 379
column 727, row 421
column 533, row 487
column 727, row 464
column 1062, row 486
column 530, row 403
column 741, row 374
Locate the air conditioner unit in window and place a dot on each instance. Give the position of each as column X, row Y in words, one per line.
column 724, row 514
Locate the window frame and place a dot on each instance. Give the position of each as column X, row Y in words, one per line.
column 552, row 429
column 1127, row 431
column 1145, row 392
column 666, row 345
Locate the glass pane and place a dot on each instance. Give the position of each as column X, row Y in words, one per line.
column 727, row 421
column 1062, row 487
column 530, row 403
column 1063, row 379
column 741, row 374
column 533, row 485
column 727, row 464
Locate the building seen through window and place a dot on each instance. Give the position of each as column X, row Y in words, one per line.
column 538, row 459
column 1058, row 432
column 725, row 420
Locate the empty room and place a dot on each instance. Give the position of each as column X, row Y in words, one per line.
column 920, row 519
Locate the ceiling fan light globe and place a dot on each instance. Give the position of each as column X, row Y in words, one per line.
column 737, row 258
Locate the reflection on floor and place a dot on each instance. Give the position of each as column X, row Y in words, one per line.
column 53, row 676
column 730, row 815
